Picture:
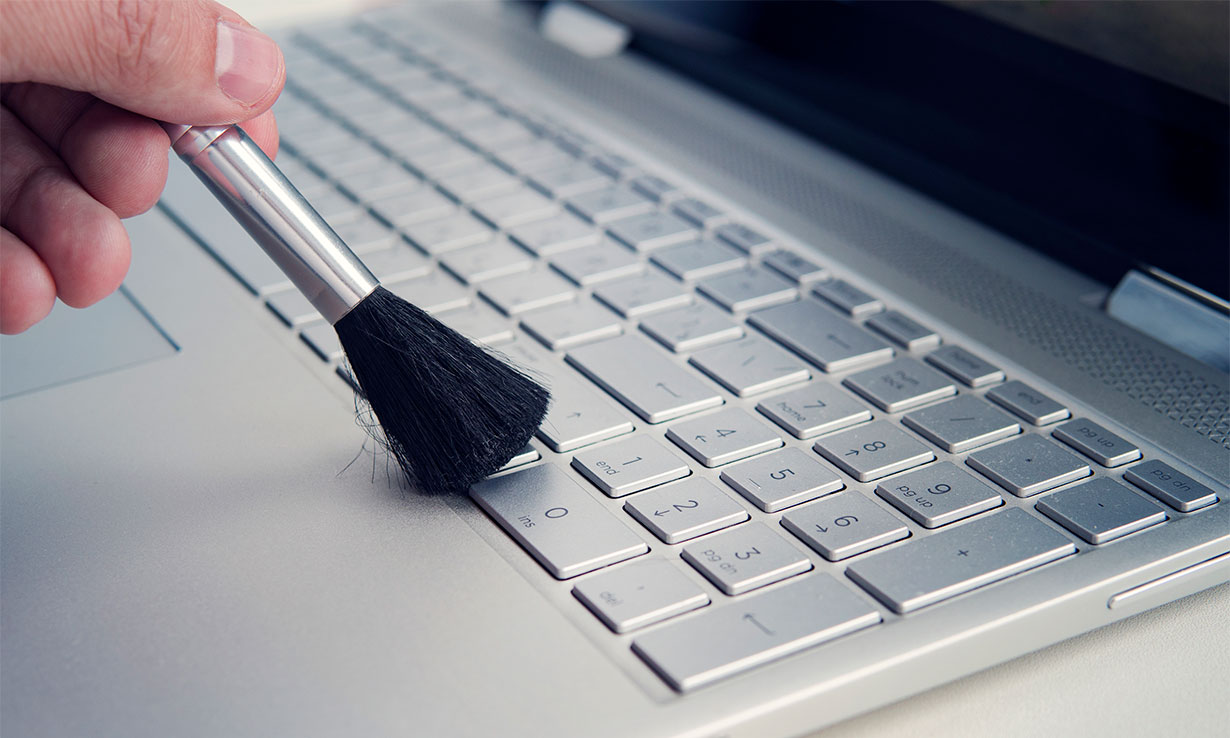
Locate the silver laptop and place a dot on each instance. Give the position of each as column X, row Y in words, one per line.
column 829, row 429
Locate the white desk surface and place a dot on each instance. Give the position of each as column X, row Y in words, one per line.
column 1165, row 672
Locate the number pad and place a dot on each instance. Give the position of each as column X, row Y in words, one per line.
column 630, row 466
column 746, row 558
column 873, row 451
column 844, row 525
column 639, row 594
column 782, row 479
column 939, row 495
column 725, row 436
column 900, row 385
column 684, row 510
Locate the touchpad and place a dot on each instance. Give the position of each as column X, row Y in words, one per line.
column 74, row 344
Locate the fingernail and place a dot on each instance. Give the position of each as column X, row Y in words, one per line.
column 246, row 63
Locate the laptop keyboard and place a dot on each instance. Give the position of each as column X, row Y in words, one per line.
column 747, row 453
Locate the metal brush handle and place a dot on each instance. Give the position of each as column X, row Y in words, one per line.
column 281, row 220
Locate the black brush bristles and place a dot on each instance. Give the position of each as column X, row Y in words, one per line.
column 451, row 412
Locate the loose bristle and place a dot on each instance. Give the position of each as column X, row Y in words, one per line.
column 451, row 412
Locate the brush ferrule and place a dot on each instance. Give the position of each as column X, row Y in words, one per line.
column 277, row 216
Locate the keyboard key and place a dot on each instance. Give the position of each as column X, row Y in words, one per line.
column 638, row 296
column 844, row 525
column 368, row 235
column 750, row 365
column 821, row 336
column 527, row 455
column 813, row 410
column 746, row 558
column 851, row 300
column 1097, row 443
column 699, row 212
column 904, row 331
column 631, row 465
column 609, row 204
column 480, row 323
column 698, row 259
column 571, row 179
column 720, row 438
column 965, row 367
column 533, row 156
column 515, row 208
column 449, row 233
column 659, row 389
column 323, row 340
column 764, row 627
column 743, row 238
column 292, row 308
column 692, row 327
column 782, row 479
column 565, row 326
column 793, row 267
column 1171, row 486
column 520, row 293
column 372, row 184
column 900, row 385
column 475, row 264
column 601, row 262
column 577, row 415
column 552, row 235
column 956, row 561
column 1029, row 465
column 747, row 289
column 685, row 510
column 556, row 521
column 484, row 181
column 652, row 231
column 639, row 594
column 436, row 293
column 961, row 424
column 1026, row 402
column 615, row 165
column 938, row 495
column 415, row 206
column 874, row 450
column 1101, row 510
column 655, row 188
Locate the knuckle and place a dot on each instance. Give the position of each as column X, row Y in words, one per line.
column 128, row 34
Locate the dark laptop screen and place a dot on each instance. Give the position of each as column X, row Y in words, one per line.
column 1099, row 138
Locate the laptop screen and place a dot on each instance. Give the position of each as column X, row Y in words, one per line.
column 1096, row 132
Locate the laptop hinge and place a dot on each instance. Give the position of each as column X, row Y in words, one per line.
column 581, row 30
column 1175, row 313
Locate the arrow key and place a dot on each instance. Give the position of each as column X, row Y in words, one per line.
column 684, row 510
column 725, row 436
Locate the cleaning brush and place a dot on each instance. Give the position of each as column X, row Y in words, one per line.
column 451, row 412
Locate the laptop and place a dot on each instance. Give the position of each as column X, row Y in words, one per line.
column 887, row 352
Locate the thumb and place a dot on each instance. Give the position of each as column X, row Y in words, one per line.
column 186, row 61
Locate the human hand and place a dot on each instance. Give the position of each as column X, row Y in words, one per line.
column 82, row 84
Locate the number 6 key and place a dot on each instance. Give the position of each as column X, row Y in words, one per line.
column 844, row 525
